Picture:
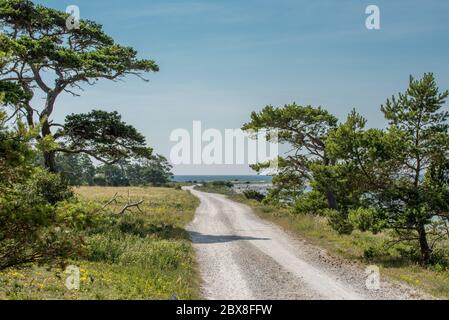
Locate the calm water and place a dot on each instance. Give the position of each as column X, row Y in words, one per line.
column 260, row 179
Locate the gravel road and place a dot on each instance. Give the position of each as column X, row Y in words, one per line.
column 241, row 257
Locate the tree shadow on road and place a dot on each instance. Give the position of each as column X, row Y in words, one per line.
column 201, row 238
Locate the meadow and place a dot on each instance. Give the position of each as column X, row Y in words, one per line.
column 144, row 253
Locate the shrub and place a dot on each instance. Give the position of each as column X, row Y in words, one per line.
column 254, row 195
column 365, row 219
column 53, row 188
column 338, row 221
column 313, row 202
column 440, row 259
column 31, row 232
column 30, row 229
column 227, row 184
column 81, row 215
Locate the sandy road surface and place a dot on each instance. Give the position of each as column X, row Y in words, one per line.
column 244, row 257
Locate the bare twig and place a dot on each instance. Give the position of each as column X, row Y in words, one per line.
column 113, row 199
column 131, row 205
column 127, row 206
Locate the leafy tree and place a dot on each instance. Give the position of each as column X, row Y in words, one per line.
column 363, row 163
column 304, row 129
column 48, row 58
column 33, row 228
column 287, row 184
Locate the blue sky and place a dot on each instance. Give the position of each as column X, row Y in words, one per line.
column 220, row 60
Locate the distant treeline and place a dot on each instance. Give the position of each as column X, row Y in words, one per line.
column 79, row 170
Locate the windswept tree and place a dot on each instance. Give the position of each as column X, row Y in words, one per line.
column 48, row 60
column 304, row 129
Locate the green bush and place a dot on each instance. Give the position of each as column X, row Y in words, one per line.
column 254, row 195
column 226, row 184
column 439, row 259
column 365, row 219
column 375, row 250
column 313, row 202
column 53, row 188
column 81, row 215
column 31, row 232
column 338, row 221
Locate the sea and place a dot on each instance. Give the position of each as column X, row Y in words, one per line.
column 233, row 178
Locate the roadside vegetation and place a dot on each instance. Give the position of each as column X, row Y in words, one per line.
column 143, row 253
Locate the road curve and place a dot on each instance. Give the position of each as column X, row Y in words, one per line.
column 241, row 257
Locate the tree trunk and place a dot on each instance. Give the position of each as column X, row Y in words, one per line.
column 50, row 161
column 331, row 199
column 424, row 245
column 49, row 156
column 330, row 195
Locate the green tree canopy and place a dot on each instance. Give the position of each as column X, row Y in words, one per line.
column 304, row 129
column 103, row 136
column 49, row 58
